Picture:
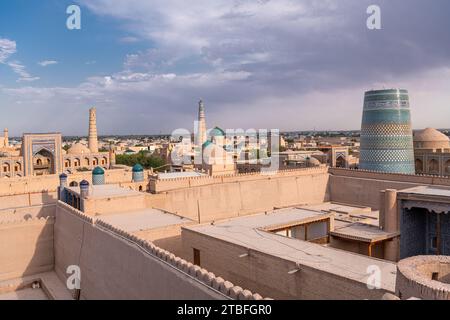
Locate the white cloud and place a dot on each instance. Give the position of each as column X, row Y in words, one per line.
column 46, row 63
column 7, row 49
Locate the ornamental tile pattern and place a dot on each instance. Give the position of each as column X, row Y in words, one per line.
column 386, row 133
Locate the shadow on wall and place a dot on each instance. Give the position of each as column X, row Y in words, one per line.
column 27, row 245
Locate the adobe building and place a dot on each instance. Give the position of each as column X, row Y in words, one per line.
column 432, row 152
column 43, row 154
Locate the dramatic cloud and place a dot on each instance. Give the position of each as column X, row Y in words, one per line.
column 288, row 64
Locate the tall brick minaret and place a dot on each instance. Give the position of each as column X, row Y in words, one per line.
column 201, row 134
column 6, row 137
column 93, row 139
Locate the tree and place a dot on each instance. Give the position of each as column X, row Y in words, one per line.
column 144, row 158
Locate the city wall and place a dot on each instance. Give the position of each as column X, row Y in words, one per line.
column 26, row 248
column 270, row 274
column 206, row 199
column 363, row 187
column 117, row 265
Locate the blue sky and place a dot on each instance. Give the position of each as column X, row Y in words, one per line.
column 287, row 64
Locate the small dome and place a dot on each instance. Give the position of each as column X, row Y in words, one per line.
column 63, row 176
column 98, row 171
column 217, row 132
column 138, row 168
column 430, row 138
column 84, row 183
column 78, row 148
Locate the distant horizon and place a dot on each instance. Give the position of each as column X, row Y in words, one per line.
column 257, row 64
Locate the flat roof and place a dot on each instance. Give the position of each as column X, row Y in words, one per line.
column 428, row 190
column 144, row 219
column 348, row 213
column 361, row 232
column 106, row 191
column 185, row 174
column 247, row 232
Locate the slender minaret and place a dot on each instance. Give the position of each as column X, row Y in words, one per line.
column 6, row 137
column 201, row 134
column 112, row 156
column 93, row 141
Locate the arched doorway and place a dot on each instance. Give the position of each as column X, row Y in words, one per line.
column 419, row 166
column 43, row 163
column 433, row 167
column 447, row 167
column 341, row 162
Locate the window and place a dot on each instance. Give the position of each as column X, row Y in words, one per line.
column 434, row 243
column 435, row 276
column 197, row 257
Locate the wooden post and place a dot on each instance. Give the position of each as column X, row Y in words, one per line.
column 370, row 249
column 438, row 233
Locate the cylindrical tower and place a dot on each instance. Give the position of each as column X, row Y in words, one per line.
column 112, row 156
column 386, row 133
column 138, row 173
column 201, row 134
column 6, row 137
column 62, row 186
column 93, row 139
column 98, row 176
column 84, row 189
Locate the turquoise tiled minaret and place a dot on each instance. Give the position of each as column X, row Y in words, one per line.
column 386, row 133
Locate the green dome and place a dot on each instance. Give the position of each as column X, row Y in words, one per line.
column 98, row 171
column 217, row 132
column 138, row 168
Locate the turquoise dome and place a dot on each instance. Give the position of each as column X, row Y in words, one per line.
column 98, row 171
column 217, row 132
column 138, row 168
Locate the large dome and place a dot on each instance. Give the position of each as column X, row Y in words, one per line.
column 430, row 138
column 78, row 148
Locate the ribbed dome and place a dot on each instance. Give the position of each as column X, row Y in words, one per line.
column 98, row 171
column 138, row 168
column 78, row 148
column 430, row 138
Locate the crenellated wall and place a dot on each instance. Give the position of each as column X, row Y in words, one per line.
column 118, row 265
column 225, row 197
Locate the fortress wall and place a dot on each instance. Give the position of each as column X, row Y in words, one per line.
column 245, row 194
column 26, row 213
column 268, row 274
column 168, row 238
column 50, row 183
column 114, row 204
column 26, row 248
column 117, row 265
column 363, row 187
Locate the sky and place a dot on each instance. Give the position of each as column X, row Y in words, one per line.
column 277, row 64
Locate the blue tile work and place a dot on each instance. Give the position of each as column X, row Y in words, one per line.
column 386, row 133
column 412, row 232
column 418, row 228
